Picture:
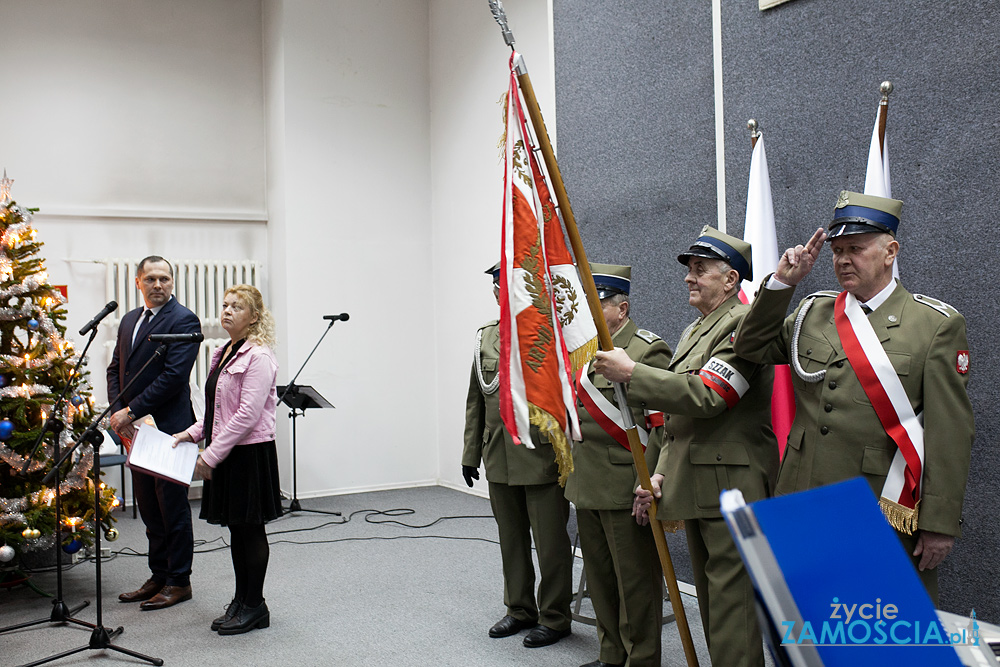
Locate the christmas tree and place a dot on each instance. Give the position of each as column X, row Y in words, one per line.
column 36, row 365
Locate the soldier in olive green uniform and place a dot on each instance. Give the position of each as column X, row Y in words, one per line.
column 526, row 499
column 623, row 572
column 717, row 436
column 837, row 434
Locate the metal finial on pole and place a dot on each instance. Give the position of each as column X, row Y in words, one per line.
column 885, row 89
column 5, row 184
column 496, row 8
column 754, row 128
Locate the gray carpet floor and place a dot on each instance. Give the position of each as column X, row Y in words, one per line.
column 351, row 590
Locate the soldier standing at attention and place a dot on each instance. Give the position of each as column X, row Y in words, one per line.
column 717, row 435
column 875, row 341
column 619, row 556
column 526, row 499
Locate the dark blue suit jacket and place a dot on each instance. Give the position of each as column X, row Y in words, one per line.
column 163, row 389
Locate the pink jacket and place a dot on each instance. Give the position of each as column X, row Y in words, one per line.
column 245, row 402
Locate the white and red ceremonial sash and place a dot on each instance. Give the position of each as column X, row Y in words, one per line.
column 607, row 415
column 724, row 380
column 901, row 492
column 544, row 321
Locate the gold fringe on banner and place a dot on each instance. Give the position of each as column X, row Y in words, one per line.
column 582, row 355
column 900, row 517
column 551, row 431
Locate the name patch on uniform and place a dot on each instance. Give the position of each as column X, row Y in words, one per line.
column 724, row 380
column 962, row 362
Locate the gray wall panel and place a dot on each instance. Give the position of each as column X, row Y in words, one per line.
column 636, row 147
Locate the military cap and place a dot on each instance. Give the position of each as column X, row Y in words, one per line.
column 857, row 213
column 494, row 271
column 611, row 279
column 713, row 244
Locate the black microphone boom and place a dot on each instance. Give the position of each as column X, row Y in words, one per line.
column 177, row 338
column 343, row 317
column 108, row 309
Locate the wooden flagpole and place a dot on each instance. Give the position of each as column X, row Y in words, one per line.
column 604, row 336
column 883, row 112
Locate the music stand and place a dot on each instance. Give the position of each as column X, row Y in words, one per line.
column 300, row 398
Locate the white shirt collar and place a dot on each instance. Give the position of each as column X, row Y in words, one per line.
column 881, row 297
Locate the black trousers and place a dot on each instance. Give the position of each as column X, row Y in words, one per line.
column 165, row 511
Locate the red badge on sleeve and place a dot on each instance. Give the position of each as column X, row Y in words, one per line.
column 962, row 362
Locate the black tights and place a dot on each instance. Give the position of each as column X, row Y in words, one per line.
column 250, row 552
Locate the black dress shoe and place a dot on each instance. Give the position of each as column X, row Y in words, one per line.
column 144, row 592
column 508, row 625
column 232, row 609
column 544, row 636
column 599, row 663
column 246, row 619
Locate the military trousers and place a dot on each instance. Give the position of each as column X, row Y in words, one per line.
column 625, row 584
column 539, row 510
column 929, row 578
column 725, row 595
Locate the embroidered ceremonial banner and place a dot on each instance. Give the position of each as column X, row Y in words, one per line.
column 545, row 327
column 900, row 497
column 759, row 232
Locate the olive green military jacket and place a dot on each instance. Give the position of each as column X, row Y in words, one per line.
column 836, row 433
column 487, row 440
column 604, row 477
column 708, row 445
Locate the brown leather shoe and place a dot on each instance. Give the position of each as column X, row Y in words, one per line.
column 167, row 597
column 146, row 591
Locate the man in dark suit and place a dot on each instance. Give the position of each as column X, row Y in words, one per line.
column 162, row 390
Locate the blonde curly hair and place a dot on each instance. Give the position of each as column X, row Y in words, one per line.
column 261, row 332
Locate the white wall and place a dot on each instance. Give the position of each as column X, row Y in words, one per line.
column 468, row 75
column 352, row 210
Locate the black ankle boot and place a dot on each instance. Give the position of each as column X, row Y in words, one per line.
column 246, row 619
column 232, row 609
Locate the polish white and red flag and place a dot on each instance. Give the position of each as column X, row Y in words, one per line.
column 877, row 180
column 759, row 232
column 546, row 331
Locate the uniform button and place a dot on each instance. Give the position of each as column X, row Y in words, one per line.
column 643, row 404
column 809, row 351
column 828, row 407
column 824, row 430
column 840, row 364
column 671, row 438
column 580, row 403
column 833, row 384
column 666, row 418
column 718, row 457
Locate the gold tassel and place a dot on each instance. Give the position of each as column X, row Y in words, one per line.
column 582, row 355
column 550, row 429
column 900, row 517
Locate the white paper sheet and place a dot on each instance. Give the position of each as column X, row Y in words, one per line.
column 153, row 452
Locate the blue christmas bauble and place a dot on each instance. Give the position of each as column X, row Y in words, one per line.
column 6, row 429
column 72, row 546
column 77, row 400
column 3, row 380
column 33, row 324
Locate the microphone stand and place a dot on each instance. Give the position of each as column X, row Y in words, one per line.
column 100, row 638
column 293, row 389
column 61, row 613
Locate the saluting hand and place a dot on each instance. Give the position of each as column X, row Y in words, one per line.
column 796, row 263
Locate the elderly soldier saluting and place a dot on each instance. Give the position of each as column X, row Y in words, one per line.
column 717, row 436
column 623, row 572
column 880, row 378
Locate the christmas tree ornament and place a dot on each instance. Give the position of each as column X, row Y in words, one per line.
column 111, row 534
column 77, row 400
column 72, row 546
column 6, row 429
column 33, row 324
column 6, row 553
column 3, row 380
column 28, row 533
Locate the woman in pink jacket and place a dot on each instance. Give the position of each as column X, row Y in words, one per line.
column 240, row 463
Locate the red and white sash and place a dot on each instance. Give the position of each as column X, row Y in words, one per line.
column 608, row 416
column 900, row 499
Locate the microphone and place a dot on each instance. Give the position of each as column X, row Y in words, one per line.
column 107, row 310
column 177, row 338
column 343, row 317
